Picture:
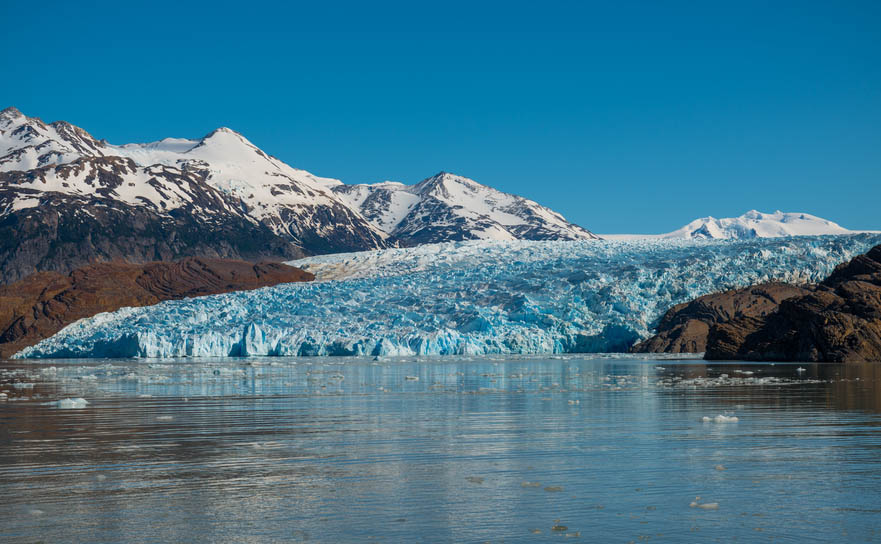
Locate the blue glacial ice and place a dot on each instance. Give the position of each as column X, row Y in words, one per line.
column 457, row 298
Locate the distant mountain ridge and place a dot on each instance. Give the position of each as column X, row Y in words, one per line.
column 67, row 199
column 752, row 224
column 448, row 207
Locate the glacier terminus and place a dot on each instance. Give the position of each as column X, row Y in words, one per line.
column 474, row 297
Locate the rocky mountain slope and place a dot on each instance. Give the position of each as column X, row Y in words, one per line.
column 447, row 207
column 41, row 304
column 840, row 321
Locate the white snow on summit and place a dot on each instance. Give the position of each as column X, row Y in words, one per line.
column 752, row 224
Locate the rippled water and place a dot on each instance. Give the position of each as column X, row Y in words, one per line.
column 452, row 449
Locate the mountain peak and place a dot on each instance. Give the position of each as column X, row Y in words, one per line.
column 221, row 131
column 11, row 113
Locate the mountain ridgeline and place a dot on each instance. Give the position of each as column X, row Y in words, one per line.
column 68, row 199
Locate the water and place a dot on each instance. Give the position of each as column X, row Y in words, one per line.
column 475, row 449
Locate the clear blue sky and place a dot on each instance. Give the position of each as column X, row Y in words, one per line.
column 623, row 116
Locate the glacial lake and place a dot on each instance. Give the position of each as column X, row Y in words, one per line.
column 452, row 449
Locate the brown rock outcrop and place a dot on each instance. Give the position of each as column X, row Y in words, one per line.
column 684, row 328
column 840, row 321
column 43, row 303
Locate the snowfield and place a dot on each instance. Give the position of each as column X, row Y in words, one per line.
column 752, row 224
column 457, row 298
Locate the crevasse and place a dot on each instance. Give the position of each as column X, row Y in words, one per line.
column 457, row 298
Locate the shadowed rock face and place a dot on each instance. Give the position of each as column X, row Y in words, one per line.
column 839, row 321
column 684, row 328
column 66, row 232
column 42, row 304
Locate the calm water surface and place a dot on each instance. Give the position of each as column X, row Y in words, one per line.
column 451, row 449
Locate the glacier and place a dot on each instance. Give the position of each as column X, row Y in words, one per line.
column 477, row 297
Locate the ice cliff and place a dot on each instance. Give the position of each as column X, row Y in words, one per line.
column 457, row 298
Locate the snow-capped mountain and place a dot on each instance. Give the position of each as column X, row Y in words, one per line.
column 67, row 198
column 447, row 207
column 752, row 224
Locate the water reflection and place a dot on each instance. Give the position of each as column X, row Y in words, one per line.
column 453, row 449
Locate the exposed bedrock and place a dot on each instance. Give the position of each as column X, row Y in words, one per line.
column 65, row 232
column 42, row 304
column 840, row 321
column 684, row 328
column 837, row 320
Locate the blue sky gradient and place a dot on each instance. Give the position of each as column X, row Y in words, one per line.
column 623, row 116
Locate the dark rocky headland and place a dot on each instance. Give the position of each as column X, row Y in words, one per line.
column 43, row 303
column 838, row 320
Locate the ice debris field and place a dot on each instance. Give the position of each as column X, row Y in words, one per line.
column 457, row 298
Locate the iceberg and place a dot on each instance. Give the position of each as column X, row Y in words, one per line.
column 477, row 297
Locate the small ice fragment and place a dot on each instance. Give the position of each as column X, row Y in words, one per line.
column 165, row 418
column 100, row 477
column 800, row 369
column 475, row 479
column 3, row 396
column 553, row 489
column 574, row 402
column 535, row 531
column 559, row 528
column 720, row 467
column 706, row 419
column 709, row 506
column 66, row 404
column 412, row 378
column 145, row 396
column 660, row 368
column 36, row 512
column 530, row 484
column 725, row 419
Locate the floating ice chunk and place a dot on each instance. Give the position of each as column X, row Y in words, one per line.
column 68, row 404
column 165, row 418
column 800, row 369
column 721, row 418
column 720, row 467
column 703, row 505
column 412, row 378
